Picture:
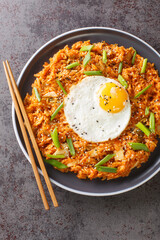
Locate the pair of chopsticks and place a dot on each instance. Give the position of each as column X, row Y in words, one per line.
column 19, row 108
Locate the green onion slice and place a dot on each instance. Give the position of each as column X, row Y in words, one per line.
column 141, row 92
column 106, row 169
column 37, row 94
column 146, row 111
column 120, row 67
column 71, row 147
column 56, row 156
column 62, row 88
column 72, row 65
column 54, row 136
column 104, row 58
column 86, row 48
column 56, row 163
column 122, row 81
column 134, row 56
column 152, row 122
column 144, row 65
column 92, row 73
column 139, row 146
column 56, row 111
column 143, row 128
column 87, row 58
column 105, row 159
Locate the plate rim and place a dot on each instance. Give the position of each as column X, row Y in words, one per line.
column 14, row 114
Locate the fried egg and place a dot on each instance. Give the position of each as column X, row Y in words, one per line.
column 97, row 108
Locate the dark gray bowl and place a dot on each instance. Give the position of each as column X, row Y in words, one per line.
column 69, row 181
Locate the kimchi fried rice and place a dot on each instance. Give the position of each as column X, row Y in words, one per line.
column 81, row 158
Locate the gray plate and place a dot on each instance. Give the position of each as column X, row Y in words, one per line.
column 69, row 181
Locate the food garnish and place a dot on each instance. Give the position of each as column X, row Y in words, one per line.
column 54, row 136
column 106, row 169
column 104, row 58
column 56, row 111
column 146, row 111
column 141, row 92
column 134, row 56
column 122, row 81
column 92, row 73
column 120, row 67
column 72, row 65
column 71, row 147
column 139, row 146
column 56, row 156
column 87, row 58
column 152, row 122
column 143, row 128
column 86, row 48
column 37, row 94
column 105, row 159
column 144, row 65
column 56, row 163
column 62, row 88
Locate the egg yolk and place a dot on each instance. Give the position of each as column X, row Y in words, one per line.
column 112, row 98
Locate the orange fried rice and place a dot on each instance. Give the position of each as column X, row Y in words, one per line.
column 88, row 154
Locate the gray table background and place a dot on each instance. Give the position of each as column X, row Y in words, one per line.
column 24, row 27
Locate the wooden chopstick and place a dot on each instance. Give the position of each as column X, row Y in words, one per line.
column 26, row 140
column 32, row 137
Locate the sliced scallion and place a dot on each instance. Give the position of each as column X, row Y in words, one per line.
column 141, row 92
column 71, row 147
column 92, row 73
column 54, row 136
column 56, row 111
column 134, row 56
column 56, row 163
column 86, row 48
column 106, row 169
column 144, row 65
column 146, row 111
column 72, row 65
column 139, row 146
column 105, row 159
column 37, row 94
column 56, row 156
column 152, row 122
column 87, row 58
column 143, row 128
column 122, row 81
column 62, row 88
column 104, row 57
column 120, row 67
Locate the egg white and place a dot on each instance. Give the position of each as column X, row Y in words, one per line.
column 87, row 118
